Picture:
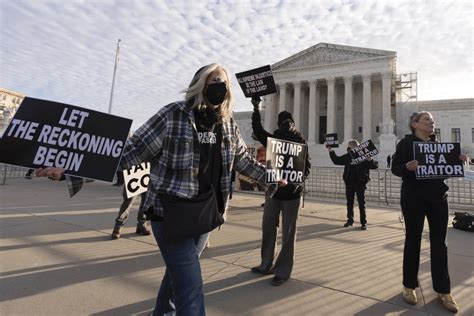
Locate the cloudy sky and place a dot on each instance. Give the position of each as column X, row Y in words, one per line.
column 64, row 50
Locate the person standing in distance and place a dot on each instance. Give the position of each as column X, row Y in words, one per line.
column 356, row 177
column 123, row 213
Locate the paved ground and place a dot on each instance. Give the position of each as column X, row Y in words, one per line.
column 57, row 259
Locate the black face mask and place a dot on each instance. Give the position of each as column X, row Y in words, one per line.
column 348, row 149
column 216, row 92
column 287, row 126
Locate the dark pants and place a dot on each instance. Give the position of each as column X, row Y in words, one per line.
column 182, row 282
column 414, row 209
column 125, row 210
column 358, row 190
column 270, row 223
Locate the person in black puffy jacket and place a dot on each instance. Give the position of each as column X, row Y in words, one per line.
column 286, row 200
column 356, row 177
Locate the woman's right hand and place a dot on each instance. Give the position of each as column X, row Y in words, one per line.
column 411, row 165
column 52, row 173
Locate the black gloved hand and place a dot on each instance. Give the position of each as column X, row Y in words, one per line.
column 256, row 102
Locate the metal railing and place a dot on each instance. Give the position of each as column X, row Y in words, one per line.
column 325, row 183
column 384, row 188
column 8, row 171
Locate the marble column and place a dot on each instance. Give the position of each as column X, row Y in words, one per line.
column 313, row 115
column 387, row 139
column 348, row 115
column 387, row 127
column 318, row 111
column 331, row 111
column 297, row 105
column 366, row 108
column 268, row 101
column 282, row 104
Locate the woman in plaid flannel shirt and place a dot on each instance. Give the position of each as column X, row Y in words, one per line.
column 191, row 144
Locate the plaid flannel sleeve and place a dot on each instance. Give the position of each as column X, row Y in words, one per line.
column 74, row 185
column 244, row 163
column 146, row 143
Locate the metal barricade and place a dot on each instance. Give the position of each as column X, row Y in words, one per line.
column 9, row 171
column 325, row 183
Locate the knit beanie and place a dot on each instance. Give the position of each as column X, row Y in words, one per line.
column 283, row 116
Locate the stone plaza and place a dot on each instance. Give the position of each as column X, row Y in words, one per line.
column 58, row 259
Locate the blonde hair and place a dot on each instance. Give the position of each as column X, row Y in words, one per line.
column 195, row 92
column 415, row 118
column 353, row 143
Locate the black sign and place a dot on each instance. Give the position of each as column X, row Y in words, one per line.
column 437, row 160
column 364, row 151
column 331, row 140
column 257, row 82
column 285, row 160
column 84, row 142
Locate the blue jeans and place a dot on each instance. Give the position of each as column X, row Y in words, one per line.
column 182, row 282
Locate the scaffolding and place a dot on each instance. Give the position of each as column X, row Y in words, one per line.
column 406, row 91
column 406, row 86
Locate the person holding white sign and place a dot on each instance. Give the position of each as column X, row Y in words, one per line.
column 419, row 199
column 286, row 200
column 356, row 177
column 135, row 183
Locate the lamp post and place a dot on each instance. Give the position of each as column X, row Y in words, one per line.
column 113, row 78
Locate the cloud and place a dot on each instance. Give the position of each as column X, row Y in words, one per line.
column 65, row 50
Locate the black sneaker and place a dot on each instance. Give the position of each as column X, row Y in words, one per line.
column 116, row 233
column 259, row 270
column 143, row 230
column 363, row 227
column 348, row 224
column 276, row 281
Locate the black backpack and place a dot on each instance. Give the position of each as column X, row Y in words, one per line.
column 463, row 221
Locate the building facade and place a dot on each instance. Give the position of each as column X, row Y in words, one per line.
column 350, row 91
column 335, row 89
column 9, row 103
column 454, row 120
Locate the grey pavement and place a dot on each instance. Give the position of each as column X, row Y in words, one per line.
column 57, row 259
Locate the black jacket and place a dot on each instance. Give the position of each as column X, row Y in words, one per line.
column 410, row 185
column 361, row 169
column 290, row 191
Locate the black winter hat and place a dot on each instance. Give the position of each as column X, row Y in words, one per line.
column 283, row 116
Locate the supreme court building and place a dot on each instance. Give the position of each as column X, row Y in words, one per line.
column 339, row 89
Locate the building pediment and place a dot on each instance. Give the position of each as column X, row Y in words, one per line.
column 326, row 54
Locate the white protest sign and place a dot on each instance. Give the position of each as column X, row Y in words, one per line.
column 136, row 179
